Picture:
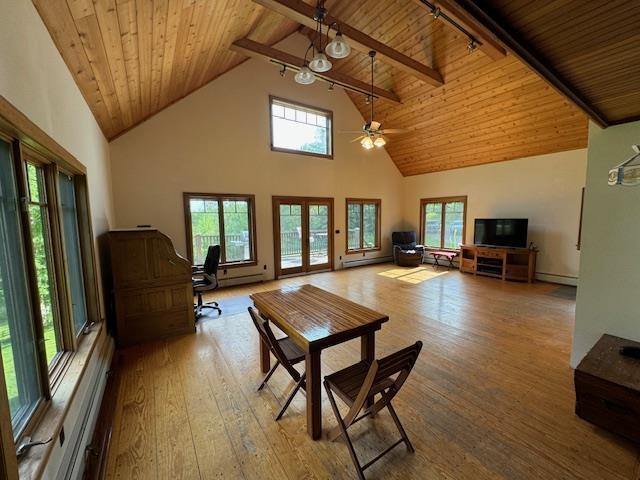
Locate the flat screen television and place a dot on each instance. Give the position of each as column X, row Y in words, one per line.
column 501, row 232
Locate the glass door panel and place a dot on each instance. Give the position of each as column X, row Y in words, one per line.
column 319, row 235
column 302, row 229
column 291, row 242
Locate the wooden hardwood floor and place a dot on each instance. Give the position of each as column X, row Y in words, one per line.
column 490, row 397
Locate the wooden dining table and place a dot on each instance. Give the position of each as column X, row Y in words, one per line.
column 316, row 319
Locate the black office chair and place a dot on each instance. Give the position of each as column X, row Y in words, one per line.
column 206, row 280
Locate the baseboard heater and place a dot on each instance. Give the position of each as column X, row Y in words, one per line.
column 74, row 456
column 241, row 280
column 366, row 261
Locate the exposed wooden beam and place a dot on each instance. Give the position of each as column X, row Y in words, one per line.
column 259, row 50
column 486, row 43
column 303, row 14
column 510, row 38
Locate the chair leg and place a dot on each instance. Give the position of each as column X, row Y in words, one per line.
column 343, row 429
column 266, row 379
column 400, row 428
column 299, row 383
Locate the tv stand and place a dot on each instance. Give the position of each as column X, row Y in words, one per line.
column 500, row 262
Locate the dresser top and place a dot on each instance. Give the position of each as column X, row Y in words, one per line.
column 605, row 362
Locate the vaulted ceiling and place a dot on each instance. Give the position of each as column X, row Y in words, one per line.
column 132, row 58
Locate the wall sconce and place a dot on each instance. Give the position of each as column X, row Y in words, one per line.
column 628, row 172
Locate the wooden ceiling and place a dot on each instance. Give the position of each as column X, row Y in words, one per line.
column 594, row 46
column 132, row 58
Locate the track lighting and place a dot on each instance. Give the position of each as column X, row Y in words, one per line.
column 283, row 70
column 472, row 45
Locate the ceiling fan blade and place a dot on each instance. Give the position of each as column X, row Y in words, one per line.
column 357, row 139
column 352, row 132
column 394, row 130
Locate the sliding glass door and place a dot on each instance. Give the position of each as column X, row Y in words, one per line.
column 302, row 234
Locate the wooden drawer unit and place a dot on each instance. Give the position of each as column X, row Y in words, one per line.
column 504, row 263
column 490, row 252
column 608, row 388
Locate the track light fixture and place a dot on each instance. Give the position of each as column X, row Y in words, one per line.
column 436, row 13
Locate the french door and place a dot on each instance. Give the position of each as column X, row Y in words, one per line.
column 302, row 229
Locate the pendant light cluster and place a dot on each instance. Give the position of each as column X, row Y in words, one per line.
column 336, row 48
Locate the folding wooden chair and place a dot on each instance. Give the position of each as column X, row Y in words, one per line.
column 287, row 354
column 358, row 385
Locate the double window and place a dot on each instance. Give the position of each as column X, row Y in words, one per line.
column 297, row 128
column 443, row 222
column 225, row 220
column 43, row 306
column 363, row 224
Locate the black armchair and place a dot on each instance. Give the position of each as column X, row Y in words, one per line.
column 206, row 280
column 406, row 252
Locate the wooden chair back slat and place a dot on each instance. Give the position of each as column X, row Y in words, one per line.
column 269, row 338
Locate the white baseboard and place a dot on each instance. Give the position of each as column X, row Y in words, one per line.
column 366, row 261
column 241, row 280
column 560, row 279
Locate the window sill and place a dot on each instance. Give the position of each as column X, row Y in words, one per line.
column 363, row 250
column 33, row 463
column 438, row 249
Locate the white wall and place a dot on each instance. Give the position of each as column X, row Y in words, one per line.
column 217, row 140
column 545, row 189
column 35, row 79
column 610, row 270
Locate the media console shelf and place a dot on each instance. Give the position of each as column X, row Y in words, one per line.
column 499, row 262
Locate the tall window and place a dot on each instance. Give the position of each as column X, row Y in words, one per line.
column 18, row 339
column 69, row 214
column 225, row 220
column 43, row 266
column 363, row 224
column 38, row 206
column 443, row 222
column 298, row 128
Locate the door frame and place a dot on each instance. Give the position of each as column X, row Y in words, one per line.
column 276, row 200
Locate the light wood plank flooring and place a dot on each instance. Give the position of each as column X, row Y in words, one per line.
column 490, row 397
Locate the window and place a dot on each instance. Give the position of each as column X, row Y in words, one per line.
column 73, row 257
column 298, row 128
column 46, row 256
column 363, row 224
column 443, row 222
column 38, row 208
column 225, row 220
column 18, row 340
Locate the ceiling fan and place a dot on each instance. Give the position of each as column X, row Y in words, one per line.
column 372, row 132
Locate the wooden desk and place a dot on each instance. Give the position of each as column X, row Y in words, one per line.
column 316, row 319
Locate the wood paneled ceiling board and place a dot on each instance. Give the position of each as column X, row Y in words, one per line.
column 594, row 46
column 132, row 58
